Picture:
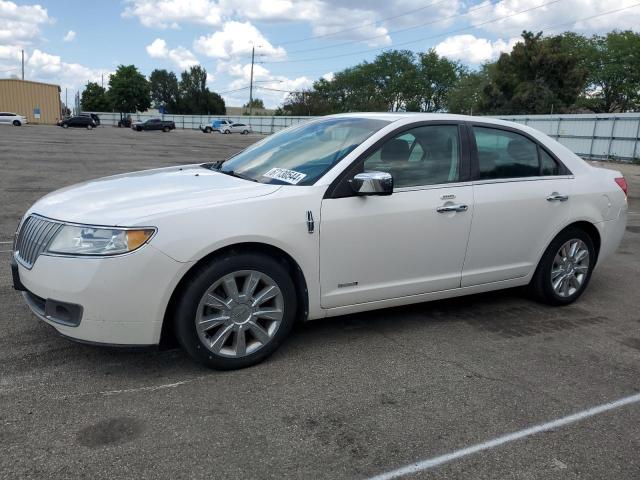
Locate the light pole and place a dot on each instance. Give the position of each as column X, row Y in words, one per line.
column 253, row 51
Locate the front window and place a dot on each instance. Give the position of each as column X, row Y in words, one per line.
column 303, row 154
column 426, row 155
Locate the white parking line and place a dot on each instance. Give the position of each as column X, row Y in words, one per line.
column 511, row 437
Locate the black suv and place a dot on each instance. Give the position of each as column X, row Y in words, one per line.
column 79, row 121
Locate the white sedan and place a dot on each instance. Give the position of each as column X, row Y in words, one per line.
column 342, row 214
column 242, row 128
column 9, row 118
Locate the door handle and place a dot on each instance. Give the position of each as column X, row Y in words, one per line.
column 452, row 208
column 556, row 197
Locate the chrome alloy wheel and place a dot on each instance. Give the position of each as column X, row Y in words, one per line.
column 570, row 268
column 240, row 313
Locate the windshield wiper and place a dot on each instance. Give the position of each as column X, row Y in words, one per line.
column 237, row 175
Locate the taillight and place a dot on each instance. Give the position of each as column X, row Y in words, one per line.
column 622, row 183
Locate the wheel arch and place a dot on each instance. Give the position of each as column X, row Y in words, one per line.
column 588, row 227
column 167, row 336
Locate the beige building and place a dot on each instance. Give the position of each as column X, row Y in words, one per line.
column 39, row 102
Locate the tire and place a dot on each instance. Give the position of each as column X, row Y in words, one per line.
column 558, row 262
column 138, row 129
column 227, row 132
column 245, row 132
column 17, row 123
column 207, row 130
column 241, row 318
column 89, row 127
column 65, row 125
column 165, row 129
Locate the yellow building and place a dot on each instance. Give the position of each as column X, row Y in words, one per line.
column 39, row 102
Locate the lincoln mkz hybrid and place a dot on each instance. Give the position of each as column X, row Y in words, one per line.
column 338, row 215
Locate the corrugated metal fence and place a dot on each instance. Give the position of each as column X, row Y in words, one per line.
column 259, row 124
column 601, row 136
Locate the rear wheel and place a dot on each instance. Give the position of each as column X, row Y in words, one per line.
column 165, row 129
column 138, row 129
column 236, row 310
column 565, row 268
column 89, row 127
column 65, row 125
column 245, row 132
column 207, row 130
column 16, row 123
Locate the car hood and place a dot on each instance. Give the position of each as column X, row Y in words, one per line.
column 130, row 198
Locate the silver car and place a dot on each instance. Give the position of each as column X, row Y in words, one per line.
column 242, row 128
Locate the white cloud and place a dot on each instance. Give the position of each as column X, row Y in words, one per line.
column 20, row 24
column 70, row 36
column 272, row 89
column 50, row 68
column 236, row 38
column 561, row 13
column 471, row 49
column 171, row 13
column 180, row 56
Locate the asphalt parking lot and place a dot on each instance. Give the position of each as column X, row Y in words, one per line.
column 348, row 397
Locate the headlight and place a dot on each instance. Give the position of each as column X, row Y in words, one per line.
column 80, row 240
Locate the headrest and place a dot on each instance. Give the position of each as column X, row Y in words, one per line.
column 520, row 150
column 395, row 150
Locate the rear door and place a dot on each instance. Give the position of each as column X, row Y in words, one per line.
column 522, row 198
column 5, row 117
column 382, row 247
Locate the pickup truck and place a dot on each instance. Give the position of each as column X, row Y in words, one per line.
column 216, row 126
column 154, row 124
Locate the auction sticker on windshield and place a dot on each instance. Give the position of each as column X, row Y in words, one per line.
column 288, row 176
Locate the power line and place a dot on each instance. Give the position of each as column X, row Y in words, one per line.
column 471, row 27
column 402, row 30
column 559, row 25
column 337, row 32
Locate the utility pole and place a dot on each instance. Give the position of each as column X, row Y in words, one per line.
column 103, row 80
column 22, row 64
column 253, row 51
column 66, row 99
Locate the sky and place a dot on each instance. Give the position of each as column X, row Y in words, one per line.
column 71, row 42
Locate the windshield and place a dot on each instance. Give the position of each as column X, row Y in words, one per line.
column 301, row 155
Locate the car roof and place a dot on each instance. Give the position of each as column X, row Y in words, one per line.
column 415, row 116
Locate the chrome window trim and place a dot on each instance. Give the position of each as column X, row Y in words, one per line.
column 523, row 179
column 435, row 186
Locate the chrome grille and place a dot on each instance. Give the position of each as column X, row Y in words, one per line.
column 34, row 236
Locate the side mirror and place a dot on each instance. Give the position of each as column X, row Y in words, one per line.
column 372, row 183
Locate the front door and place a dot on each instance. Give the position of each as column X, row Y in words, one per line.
column 411, row 242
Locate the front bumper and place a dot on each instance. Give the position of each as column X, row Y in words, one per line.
column 119, row 300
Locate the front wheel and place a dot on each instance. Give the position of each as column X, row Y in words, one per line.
column 245, row 132
column 16, row 123
column 207, row 130
column 165, row 129
column 65, row 125
column 565, row 268
column 236, row 310
column 89, row 127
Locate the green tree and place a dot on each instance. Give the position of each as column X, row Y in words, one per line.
column 195, row 96
column 255, row 103
column 538, row 76
column 164, row 90
column 129, row 90
column 613, row 65
column 465, row 95
column 94, row 99
column 436, row 77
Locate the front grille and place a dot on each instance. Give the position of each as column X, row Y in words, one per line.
column 34, row 236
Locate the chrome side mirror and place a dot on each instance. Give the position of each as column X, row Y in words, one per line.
column 372, row 183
